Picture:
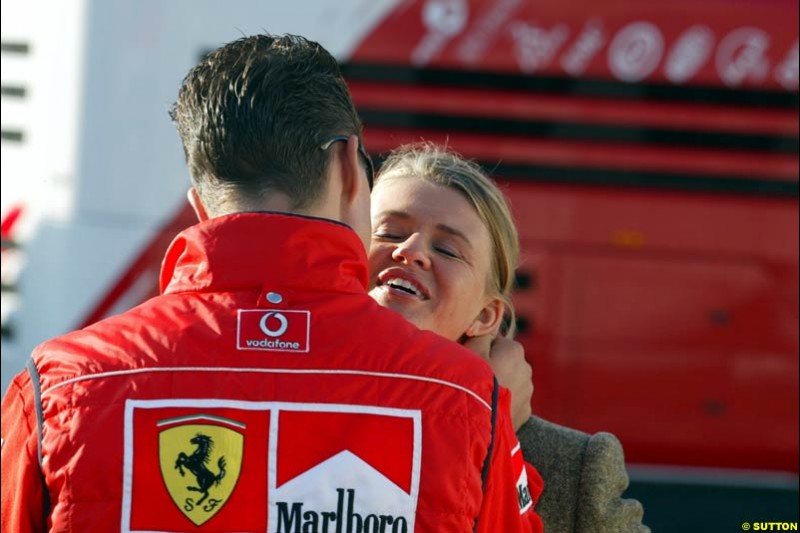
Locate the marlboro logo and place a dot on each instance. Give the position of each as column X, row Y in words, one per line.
column 295, row 517
column 523, row 491
column 373, row 459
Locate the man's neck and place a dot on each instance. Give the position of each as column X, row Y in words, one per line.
column 277, row 203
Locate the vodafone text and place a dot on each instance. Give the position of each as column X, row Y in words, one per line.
column 275, row 344
column 293, row 519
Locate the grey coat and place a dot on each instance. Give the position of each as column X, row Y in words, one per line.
column 584, row 478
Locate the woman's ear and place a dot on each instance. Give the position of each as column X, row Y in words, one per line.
column 488, row 320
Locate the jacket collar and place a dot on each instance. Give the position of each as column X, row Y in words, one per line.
column 251, row 250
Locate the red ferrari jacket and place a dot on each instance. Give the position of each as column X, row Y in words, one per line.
column 262, row 391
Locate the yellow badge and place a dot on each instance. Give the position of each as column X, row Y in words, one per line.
column 200, row 464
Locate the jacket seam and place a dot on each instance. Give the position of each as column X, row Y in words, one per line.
column 36, row 386
column 115, row 373
column 488, row 459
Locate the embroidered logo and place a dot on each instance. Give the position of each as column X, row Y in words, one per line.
column 201, row 479
column 273, row 330
column 373, row 463
column 194, row 464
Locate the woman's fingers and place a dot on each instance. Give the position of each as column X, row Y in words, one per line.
column 507, row 359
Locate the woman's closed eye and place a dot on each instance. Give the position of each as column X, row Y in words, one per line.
column 388, row 236
column 447, row 250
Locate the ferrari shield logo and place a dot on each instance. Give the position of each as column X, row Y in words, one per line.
column 200, row 463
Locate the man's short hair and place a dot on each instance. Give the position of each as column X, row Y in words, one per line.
column 253, row 114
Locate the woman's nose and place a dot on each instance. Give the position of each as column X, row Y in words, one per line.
column 412, row 250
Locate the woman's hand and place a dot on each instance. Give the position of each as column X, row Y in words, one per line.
column 507, row 359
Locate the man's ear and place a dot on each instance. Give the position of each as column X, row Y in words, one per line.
column 351, row 171
column 488, row 320
column 197, row 204
column 354, row 207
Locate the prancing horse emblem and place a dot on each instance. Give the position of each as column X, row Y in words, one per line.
column 200, row 462
column 196, row 464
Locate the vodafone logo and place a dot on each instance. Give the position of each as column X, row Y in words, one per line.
column 284, row 325
column 273, row 330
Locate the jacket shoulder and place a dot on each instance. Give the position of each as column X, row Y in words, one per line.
column 584, row 477
column 538, row 435
column 604, row 479
column 114, row 343
column 414, row 351
column 557, row 453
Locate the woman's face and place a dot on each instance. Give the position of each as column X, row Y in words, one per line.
column 430, row 258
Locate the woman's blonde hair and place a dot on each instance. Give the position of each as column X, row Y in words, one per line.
column 441, row 166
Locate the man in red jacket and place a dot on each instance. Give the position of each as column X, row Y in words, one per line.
column 263, row 390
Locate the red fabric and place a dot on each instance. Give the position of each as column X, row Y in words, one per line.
column 498, row 513
column 22, row 495
column 178, row 368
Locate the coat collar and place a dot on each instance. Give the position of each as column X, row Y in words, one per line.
column 250, row 250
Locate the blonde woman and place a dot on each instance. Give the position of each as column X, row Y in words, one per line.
column 443, row 253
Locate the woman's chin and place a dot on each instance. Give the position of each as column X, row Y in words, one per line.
column 401, row 304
